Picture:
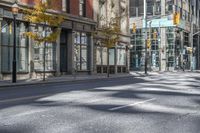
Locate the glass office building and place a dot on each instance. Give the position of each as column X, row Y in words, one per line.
column 170, row 49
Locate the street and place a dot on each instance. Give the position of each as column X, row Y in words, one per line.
column 159, row 103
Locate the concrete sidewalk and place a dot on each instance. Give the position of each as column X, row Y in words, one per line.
column 61, row 79
column 76, row 78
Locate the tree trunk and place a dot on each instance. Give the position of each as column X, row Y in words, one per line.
column 44, row 63
column 108, row 66
column 44, row 56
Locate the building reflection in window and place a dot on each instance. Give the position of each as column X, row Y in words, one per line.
column 7, row 46
column 38, row 53
column 81, row 51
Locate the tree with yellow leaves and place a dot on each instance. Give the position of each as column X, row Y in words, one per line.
column 39, row 15
column 109, row 34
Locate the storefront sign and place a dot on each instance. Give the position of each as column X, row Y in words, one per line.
column 67, row 24
column 8, row 14
column 78, row 26
column 82, row 27
column 87, row 28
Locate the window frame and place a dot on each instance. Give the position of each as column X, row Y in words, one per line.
column 80, row 44
column 82, row 8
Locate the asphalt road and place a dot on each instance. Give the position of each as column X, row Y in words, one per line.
column 163, row 103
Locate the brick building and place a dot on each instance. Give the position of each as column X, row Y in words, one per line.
column 73, row 51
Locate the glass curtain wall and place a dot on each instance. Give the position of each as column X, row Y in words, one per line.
column 137, row 58
column 170, row 49
column 154, row 50
column 137, row 52
column 137, row 7
column 7, row 47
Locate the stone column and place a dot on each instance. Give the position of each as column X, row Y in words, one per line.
column 1, row 77
column 128, row 60
column 115, row 59
column 91, row 54
column 58, row 56
column 198, row 53
column 95, row 56
column 163, row 44
column 70, row 52
column 30, row 55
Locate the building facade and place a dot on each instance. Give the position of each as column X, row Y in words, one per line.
column 72, row 52
column 171, row 46
column 104, row 10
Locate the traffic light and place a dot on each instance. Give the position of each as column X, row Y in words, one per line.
column 154, row 35
column 134, row 28
column 190, row 50
column 176, row 18
column 148, row 43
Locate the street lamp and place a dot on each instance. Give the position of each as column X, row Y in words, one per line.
column 15, row 9
column 145, row 19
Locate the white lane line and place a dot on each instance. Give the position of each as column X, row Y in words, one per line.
column 97, row 100
column 23, row 98
column 129, row 105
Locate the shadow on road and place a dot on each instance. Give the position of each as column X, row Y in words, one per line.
column 130, row 89
column 37, row 92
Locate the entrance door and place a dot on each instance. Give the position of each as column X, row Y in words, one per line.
column 63, row 51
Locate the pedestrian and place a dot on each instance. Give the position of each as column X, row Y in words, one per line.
column 184, row 63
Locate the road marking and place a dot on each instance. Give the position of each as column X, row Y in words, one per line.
column 23, row 98
column 30, row 112
column 98, row 100
column 129, row 105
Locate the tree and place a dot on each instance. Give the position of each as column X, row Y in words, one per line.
column 39, row 15
column 110, row 35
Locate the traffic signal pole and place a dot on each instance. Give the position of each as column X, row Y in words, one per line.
column 191, row 54
column 145, row 21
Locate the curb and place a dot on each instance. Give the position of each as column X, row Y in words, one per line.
column 59, row 81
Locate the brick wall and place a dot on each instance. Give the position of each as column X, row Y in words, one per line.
column 74, row 6
column 29, row 2
column 89, row 8
column 55, row 4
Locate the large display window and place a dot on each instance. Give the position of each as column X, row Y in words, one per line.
column 81, row 51
column 38, row 53
column 7, row 46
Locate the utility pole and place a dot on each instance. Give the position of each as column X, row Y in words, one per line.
column 145, row 21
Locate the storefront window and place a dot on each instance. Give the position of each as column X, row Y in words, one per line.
column 38, row 55
column 101, row 56
column 81, row 51
column 111, row 56
column 7, row 47
column 121, row 56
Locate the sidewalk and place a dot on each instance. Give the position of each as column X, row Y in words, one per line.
column 76, row 78
column 60, row 79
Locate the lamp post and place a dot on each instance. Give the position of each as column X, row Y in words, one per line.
column 15, row 9
column 145, row 21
